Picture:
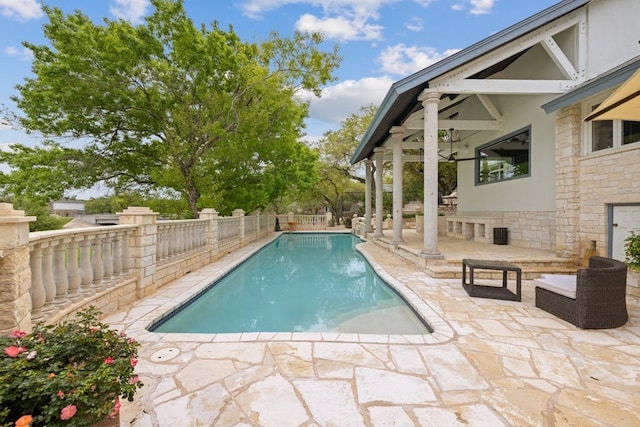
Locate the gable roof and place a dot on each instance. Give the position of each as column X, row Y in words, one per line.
column 402, row 97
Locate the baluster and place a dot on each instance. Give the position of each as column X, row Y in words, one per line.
column 60, row 275
column 48, row 281
column 125, row 252
column 159, row 244
column 37, row 285
column 172, row 241
column 107, row 258
column 86, row 270
column 73, row 273
column 98, row 272
column 166, row 244
column 117, row 254
column 180, row 239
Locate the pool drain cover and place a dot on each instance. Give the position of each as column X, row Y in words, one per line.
column 165, row 354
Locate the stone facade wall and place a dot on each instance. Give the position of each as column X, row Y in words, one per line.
column 535, row 230
column 568, row 137
column 605, row 179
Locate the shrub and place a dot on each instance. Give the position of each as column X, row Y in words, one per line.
column 71, row 374
column 632, row 250
column 347, row 221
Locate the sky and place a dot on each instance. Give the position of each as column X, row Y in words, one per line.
column 381, row 41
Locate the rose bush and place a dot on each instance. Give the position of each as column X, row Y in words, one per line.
column 71, row 374
column 632, row 250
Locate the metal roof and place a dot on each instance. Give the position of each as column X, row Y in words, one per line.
column 607, row 80
column 402, row 97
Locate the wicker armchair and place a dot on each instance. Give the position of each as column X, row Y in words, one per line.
column 599, row 295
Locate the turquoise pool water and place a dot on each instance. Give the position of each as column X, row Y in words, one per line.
column 300, row 282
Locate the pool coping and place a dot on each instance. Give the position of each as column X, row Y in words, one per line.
column 162, row 304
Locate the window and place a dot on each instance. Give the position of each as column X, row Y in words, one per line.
column 504, row 159
column 611, row 133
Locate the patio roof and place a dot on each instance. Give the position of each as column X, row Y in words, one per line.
column 604, row 81
column 402, row 98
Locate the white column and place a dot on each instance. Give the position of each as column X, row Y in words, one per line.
column 367, row 196
column 430, row 102
column 379, row 155
column 396, row 136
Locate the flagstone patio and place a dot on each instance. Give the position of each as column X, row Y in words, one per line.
column 488, row 363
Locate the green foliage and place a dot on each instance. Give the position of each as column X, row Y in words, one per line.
column 347, row 222
column 168, row 106
column 79, row 364
column 339, row 179
column 632, row 250
column 166, row 207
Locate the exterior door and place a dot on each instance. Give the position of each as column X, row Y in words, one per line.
column 625, row 218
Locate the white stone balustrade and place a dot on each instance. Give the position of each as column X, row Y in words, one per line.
column 175, row 238
column 48, row 276
column 68, row 266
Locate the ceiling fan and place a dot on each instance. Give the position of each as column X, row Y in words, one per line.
column 451, row 158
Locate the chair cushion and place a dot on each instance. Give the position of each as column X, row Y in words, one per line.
column 563, row 284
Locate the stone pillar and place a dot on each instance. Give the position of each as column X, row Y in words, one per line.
column 379, row 156
column 239, row 213
column 396, row 138
column 15, row 271
column 430, row 102
column 567, row 154
column 211, row 215
column 328, row 216
column 142, row 246
column 367, row 196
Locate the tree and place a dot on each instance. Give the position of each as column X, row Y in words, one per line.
column 337, row 175
column 168, row 106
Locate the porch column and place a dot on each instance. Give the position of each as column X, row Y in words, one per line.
column 379, row 155
column 367, row 196
column 430, row 103
column 396, row 137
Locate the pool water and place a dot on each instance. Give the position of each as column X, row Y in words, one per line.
column 300, row 282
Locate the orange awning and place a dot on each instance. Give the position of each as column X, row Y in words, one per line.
column 623, row 104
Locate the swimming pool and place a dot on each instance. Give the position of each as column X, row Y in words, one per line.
column 300, row 282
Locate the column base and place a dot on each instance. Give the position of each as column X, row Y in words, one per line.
column 431, row 255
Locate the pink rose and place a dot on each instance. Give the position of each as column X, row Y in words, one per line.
column 134, row 379
column 108, row 360
column 116, row 409
column 68, row 412
column 60, row 394
column 12, row 351
column 133, row 362
column 17, row 334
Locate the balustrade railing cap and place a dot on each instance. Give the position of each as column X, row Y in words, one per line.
column 137, row 210
column 10, row 215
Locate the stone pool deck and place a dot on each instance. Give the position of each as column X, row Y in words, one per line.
column 489, row 363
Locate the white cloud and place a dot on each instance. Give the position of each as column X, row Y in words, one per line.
column 404, row 60
column 480, row 7
column 340, row 28
column 339, row 101
column 20, row 10
column 415, row 24
column 477, row 7
column 22, row 53
column 129, row 10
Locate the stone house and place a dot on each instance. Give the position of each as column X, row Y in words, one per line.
column 511, row 109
